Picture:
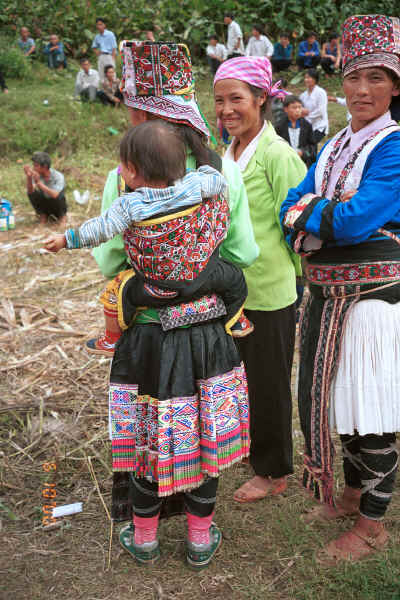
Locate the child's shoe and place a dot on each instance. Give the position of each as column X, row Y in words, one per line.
column 242, row 327
column 199, row 556
column 146, row 553
column 102, row 345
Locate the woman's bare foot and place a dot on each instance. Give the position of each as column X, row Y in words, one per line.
column 365, row 538
column 259, row 487
column 346, row 506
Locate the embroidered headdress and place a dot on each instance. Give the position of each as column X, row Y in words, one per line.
column 157, row 77
column 254, row 70
column 371, row 41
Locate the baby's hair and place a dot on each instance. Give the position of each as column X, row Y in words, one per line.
column 291, row 100
column 156, row 150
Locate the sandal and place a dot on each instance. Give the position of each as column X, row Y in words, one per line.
column 145, row 554
column 361, row 546
column 199, row 556
column 250, row 492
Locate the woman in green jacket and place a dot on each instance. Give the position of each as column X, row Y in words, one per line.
column 269, row 167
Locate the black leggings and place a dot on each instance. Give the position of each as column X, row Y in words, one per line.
column 146, row 502
column 370, row 463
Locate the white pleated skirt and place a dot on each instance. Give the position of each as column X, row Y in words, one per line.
column 365, row 394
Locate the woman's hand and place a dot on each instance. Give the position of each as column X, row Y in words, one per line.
column 55, row 242
column 347, row 195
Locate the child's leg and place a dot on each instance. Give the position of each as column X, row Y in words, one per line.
column 105, row 344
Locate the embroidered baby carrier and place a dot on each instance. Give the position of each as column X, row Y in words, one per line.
column 176, row 249
column 335, row 288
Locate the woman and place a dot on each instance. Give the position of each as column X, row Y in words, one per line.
column 110, row 94
column 315, row 101
column 346, row 212
column 242, row 92
column 331, row 56
column 163, row 374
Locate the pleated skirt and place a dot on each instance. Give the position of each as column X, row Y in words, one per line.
column 365, row 393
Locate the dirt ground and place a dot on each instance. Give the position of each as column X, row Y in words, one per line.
column 53, row 411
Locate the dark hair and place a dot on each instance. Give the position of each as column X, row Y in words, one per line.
column 100, row 20
column 196, row 142
column 213, row 37
column 333, row 36
column 314, row 74
column 84, row 59
column 42, row 159
column 284, row 34
column 156, row 150
column 311, row 33
column 283, row 82
column 266, row 106
column 107, row 68
column 258, row 28
column 291, row 100
column 230, row 15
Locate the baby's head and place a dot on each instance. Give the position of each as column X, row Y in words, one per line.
column 152, row 154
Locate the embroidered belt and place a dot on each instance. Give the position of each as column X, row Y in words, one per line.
column 365, row 273
column 188, row 313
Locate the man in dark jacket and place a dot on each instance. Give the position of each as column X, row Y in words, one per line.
column 297, row 131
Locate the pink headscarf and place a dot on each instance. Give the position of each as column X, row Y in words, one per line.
column 254, row 70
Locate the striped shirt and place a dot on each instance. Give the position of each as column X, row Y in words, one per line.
column 144, row 203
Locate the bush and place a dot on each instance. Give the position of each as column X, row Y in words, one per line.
column 12, row 62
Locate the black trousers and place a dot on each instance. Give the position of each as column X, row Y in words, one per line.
column 370, row 463
column 268, row 355
column 52, row 207
column 146, row 503
column 280, row 64
column 213, row 63
column 318, row 135
column 104, row 99
column 314, row 60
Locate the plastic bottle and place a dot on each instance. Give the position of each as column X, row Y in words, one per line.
column 11, row 220
column 4, row 212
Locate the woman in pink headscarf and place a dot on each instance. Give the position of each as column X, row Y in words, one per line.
column 243, row 91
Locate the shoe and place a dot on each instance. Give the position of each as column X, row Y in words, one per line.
column 147, row 553
column 199, row 556
column 242, row 327
column 100, row 346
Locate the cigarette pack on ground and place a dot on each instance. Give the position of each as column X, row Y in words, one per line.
column 67, row 509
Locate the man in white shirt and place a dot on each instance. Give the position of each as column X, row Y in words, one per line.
column 259, row 44
column 87, row 82
column 216, row 53
column 234, row 43
column 315, row 101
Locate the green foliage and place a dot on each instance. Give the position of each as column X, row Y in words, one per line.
column 191, row 21
column 12, row 62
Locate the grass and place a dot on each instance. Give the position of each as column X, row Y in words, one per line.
column 53, row 408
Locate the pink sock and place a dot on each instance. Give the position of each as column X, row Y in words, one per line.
column 199, row 528
column 145, row 529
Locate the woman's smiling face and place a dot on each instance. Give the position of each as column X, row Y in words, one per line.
column 236, row 107
column 369, row 93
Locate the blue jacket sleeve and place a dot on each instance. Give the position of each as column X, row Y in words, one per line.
column 302, row 48
column 376, row 202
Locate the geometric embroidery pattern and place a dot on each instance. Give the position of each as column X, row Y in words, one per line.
column 179, row 441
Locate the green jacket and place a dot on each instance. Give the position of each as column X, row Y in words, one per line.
column 273, row 169
column 238, row 247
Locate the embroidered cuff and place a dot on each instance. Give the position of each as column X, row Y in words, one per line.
column 297, row 215
column 72, row 237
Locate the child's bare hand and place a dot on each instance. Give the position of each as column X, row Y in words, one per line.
column 55, row 242
column 347, row 195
